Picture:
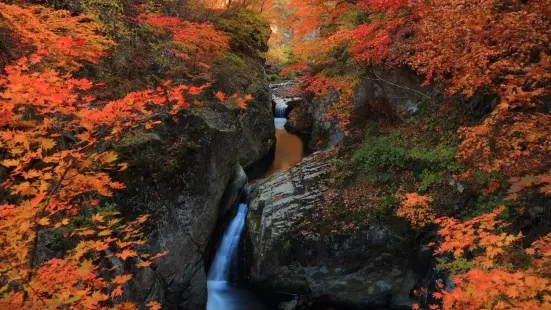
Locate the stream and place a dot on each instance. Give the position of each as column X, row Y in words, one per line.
column 222, row 293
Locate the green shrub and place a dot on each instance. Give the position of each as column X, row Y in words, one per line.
column 385, row 204
column 428, row 178
column 458, row 265
column 484, row 178
column 236, row 60
column 379, row 158
column 273, row 77
column 440, row 158
column 342, row 172
column 487, row 204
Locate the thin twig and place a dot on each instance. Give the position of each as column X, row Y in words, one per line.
column 40, row 214
column 400, row 86
column 20, row 276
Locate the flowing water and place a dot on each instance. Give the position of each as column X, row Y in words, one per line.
column 222, row 294
column 289, row 149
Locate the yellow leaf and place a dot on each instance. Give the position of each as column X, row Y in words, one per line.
column 116, row 292
column 108, row 157
column 10, row 163
column 47, row 144
column 63, row 222
column 153, row 305
column 87, row 232
column 143, row 264
column 24, row 188
column 142, row 219
column 43, row 221
column 24, row 226
column 85, row 268
column 105, row 233
column 159, row 255
column 123, row 166
column 97, row 218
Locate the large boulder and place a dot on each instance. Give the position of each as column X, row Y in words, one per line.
column 185, row 175
column 371, row 265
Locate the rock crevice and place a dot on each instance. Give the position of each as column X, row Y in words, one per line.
column 186, row 176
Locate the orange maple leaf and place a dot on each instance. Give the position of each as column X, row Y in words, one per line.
column 153, row 305
column 122, row 279
column 220, row 96
column 126, row 253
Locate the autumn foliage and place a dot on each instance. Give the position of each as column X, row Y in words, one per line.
column 415, row 208
column 55, row 138
column 69, row 40
column 465, row 49
column 51, row 130
column 493, row 282
column 197, row 44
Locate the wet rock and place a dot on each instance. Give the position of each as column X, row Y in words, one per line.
column 368, row 266
column 289, row 305
column 300, row 122
column 185, row 175
column 232, row 193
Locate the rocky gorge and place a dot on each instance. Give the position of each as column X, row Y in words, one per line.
column 275, row 155
column 190, row 179
column 186, row 176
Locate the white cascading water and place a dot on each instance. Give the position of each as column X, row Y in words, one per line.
column 220, row 269
column 280, row 111
column 221, row 294
column 281, row 106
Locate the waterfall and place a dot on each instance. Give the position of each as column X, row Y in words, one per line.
column 280, row 108
column 281, row 105
column 220, row 269
column 221, row 295
column 280, row 111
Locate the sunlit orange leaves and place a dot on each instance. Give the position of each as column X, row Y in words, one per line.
column 63, row 39
column 495, row 280
column 516, row 144
column 483, row 232
column 415, row 208
column 497, row 289
column 53, row 137
column 234, row 100
column 473, row 53
column 542, row 181
column 197, row 44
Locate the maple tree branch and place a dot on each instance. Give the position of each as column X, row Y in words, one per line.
column 49, row 197
column 25, row 281
column 399, row 86
column 37, row 226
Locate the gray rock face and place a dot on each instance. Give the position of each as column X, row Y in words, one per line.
column 179, row 174
column 371, row 265
column 308, row 119
column 399, row 90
